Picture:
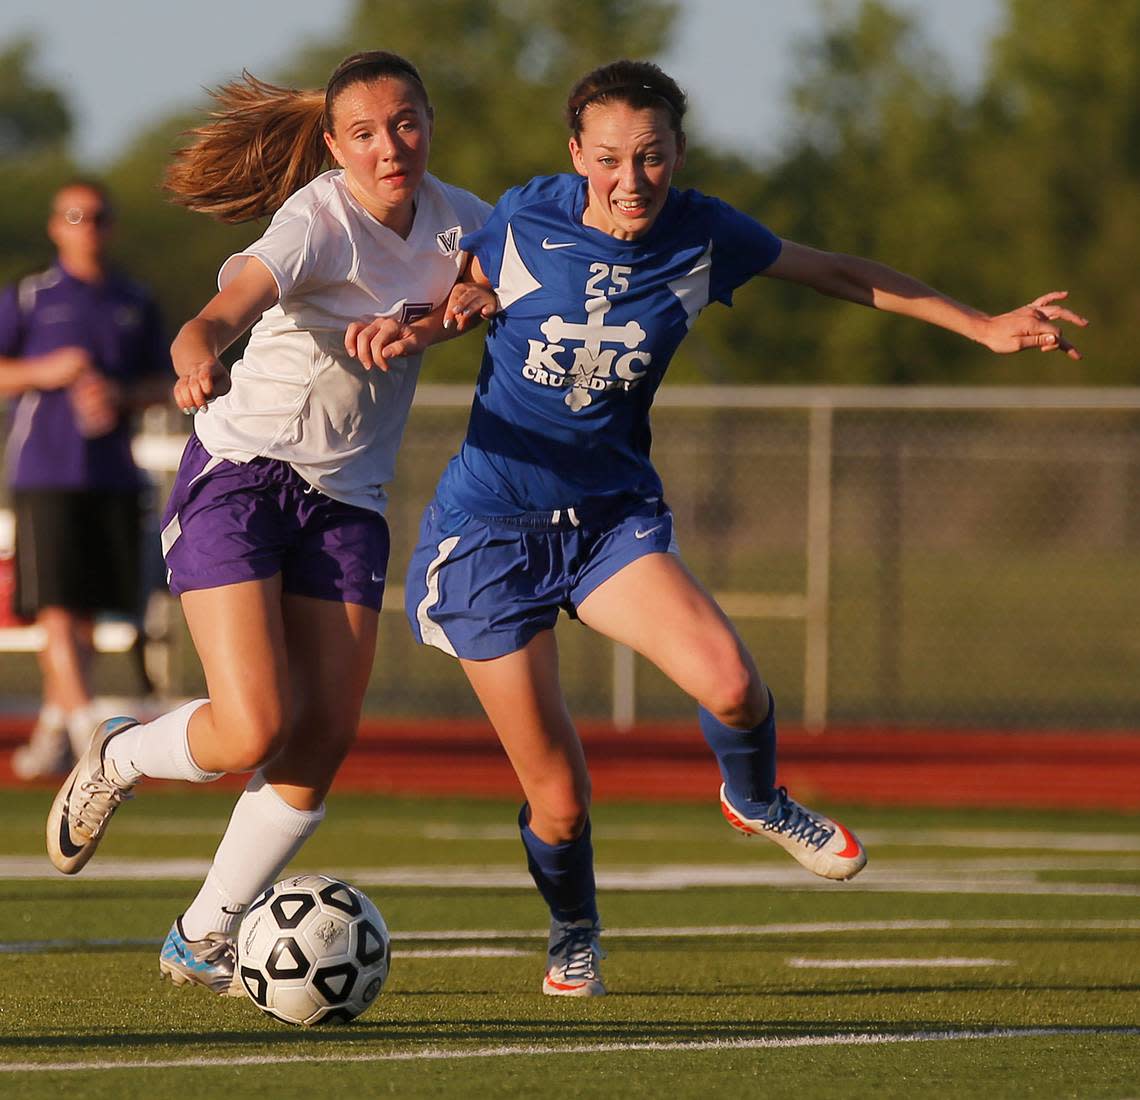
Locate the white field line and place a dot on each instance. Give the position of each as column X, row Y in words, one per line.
column 39, row 947
column 425, row 1054
column 926, row 838
column 925, row 877
column 945, row 961
column 804, row 928
column 1003, row 839
column 460, row 953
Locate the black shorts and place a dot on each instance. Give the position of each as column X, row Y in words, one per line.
column 80, row 550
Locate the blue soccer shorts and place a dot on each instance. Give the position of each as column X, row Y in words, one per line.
column 482, row 586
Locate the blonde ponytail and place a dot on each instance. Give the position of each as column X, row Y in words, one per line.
column 262, row 144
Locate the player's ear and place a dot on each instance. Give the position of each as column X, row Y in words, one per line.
column 333, row 148
column 576, row 157
column 680, row 161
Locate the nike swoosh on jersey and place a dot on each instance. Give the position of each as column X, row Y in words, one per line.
column 65, row 844
column 639, row 534
column 550, row 245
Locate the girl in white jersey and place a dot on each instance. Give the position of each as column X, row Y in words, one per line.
column 274, row 536
column 553, row 502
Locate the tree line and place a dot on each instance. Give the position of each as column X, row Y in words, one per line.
column 1027, row 183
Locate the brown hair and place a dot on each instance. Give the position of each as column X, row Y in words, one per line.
column 639, row 84
column 265, row 142
column 86, row 183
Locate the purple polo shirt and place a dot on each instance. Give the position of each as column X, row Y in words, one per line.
column 117, row 322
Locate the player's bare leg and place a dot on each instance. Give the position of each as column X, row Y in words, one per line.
column 64, row 729
column 522, row 696
column 656, row 607
column 330, row 647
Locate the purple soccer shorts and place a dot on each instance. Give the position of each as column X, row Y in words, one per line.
column 228, row 522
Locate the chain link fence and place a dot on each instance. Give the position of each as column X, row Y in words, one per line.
column 897, row 556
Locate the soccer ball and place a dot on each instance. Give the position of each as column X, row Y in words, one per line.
column 313, row 950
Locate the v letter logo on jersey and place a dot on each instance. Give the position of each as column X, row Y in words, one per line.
column 449, row 239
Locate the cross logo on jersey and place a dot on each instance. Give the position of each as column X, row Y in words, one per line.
column 594, row 367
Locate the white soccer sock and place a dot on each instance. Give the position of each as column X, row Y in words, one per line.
column 80, row 726
column 50, row 729
column 159, row 749
column 51, row 717
column 263, row 835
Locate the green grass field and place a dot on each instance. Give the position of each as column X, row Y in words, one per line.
column 979, row 954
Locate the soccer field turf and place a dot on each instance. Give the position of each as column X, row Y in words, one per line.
column 979, row 953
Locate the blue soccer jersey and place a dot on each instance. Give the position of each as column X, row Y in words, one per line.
column 587, row 327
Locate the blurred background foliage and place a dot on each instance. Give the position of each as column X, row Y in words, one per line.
column 1029, row 183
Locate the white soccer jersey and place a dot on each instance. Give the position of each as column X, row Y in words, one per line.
column 296, row 395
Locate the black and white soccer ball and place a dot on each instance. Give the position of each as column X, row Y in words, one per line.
column 313, row 950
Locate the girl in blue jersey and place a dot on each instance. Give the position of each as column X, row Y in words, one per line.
column 552, row 503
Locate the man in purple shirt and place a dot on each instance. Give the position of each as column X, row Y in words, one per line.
column 81, row 348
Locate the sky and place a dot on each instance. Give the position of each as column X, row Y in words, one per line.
column 125, row 64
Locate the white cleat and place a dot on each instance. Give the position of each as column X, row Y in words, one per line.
column 208, row 962
column 89, row 796
column 572, row 957
column 823, row 846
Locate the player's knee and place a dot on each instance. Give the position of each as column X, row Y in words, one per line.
column 738, row 698
column 330, row 733
column 255, row 741
column 562, row 813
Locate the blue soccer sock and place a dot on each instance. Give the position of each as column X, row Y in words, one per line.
column 563, row 873
column 747, row 758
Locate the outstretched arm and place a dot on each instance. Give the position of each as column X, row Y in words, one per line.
column 873, row 284
column 377, row 342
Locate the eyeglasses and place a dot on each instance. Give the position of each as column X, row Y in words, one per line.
column 76, row 215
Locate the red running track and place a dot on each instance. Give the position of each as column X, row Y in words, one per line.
column 869, row 766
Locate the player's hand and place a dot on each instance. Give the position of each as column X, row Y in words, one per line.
column 377, row 342
column 97, row 403
column 59, row 368
column 468, row 304
column 1033, row 326
column 198, row 384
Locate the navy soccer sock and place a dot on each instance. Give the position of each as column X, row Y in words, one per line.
column 747, row 759
column 563, row 873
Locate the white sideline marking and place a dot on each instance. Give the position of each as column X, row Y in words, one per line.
column 36, row 947
column 804, row 928
column 1003, row 838
column 926, row 838
column 460, row 953
column 928, row 877
column 868, row 1038
column 890, row 964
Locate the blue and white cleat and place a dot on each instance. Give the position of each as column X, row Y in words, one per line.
column 89, row 796
column 210, row 962
column 572, row 957
column 823, row 846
